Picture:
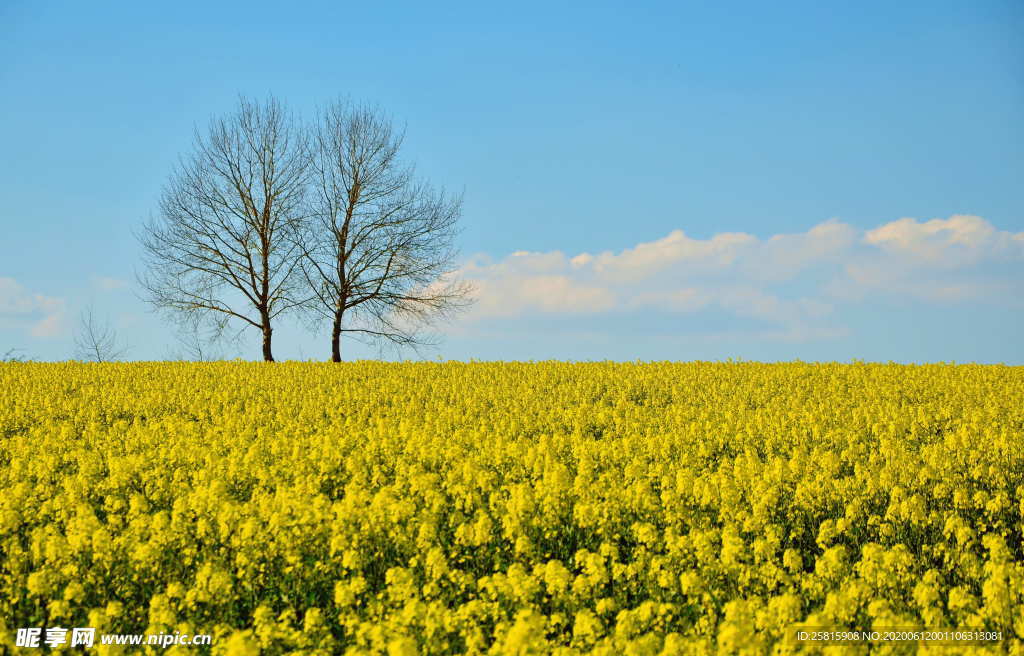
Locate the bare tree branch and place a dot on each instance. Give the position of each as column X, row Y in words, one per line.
column 97, row 341
column 223, row 248
column 377, row 253
column 12, row 355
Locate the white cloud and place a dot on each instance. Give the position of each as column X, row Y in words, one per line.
column 687, row 299
column 647, row 259
column 38, row 314
column 959, row 259
column 513, row 295
column 941, row 261
column 782, row 257
column 53, row 325
column 871, row 278
column 957, row 241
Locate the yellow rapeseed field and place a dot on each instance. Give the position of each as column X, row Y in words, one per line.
column 512, row 508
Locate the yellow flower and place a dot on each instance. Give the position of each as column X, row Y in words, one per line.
column 509, row 508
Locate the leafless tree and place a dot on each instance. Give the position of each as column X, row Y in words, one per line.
column 97, row 341
column 377, row 249
column 13, row 355
column 222, row 248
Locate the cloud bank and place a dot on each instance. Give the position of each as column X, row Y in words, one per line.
column 36, row 314
column 790, row 285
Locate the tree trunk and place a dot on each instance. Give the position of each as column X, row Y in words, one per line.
column 268, row 332
column 336, row 338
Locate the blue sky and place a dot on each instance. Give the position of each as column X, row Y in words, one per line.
column 625, row 169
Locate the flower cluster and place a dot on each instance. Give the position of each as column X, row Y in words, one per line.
column 511, row 508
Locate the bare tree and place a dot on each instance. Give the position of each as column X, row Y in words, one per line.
column 377, row 249
column 222, row 248
column 97, row 341
column 12, row 355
